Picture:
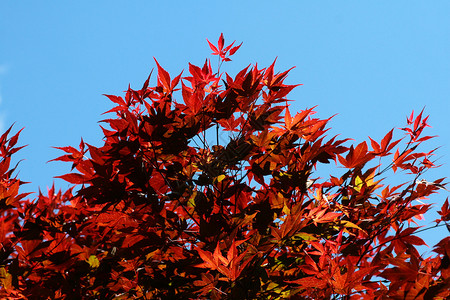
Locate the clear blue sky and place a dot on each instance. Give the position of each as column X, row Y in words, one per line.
column 370, row 62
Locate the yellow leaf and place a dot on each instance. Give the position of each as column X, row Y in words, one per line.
column 285, row 174
column 286, row 209
column 350, row 224
column 358, row 183
column 93, row 261
column 305, row 236
column 5, row 278
column 367, row 181
column 191, row 201
column 272, row 285
column 220, row 178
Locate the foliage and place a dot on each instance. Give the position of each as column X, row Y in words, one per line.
column 160, row 211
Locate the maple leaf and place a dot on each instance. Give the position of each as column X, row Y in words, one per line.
column 356, row 156
column 231, row 124
column 320, row 215
column 221, row 51
column 193, row 99
column 164, row 79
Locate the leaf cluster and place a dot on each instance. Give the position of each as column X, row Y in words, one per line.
column 163, row 211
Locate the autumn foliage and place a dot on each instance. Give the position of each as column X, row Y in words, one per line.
column 208, row 186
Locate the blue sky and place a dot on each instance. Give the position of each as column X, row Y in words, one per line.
column 370, row 62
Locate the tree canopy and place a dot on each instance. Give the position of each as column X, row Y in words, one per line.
column 215, row 195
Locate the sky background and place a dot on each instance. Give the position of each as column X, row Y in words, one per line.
column 369, row 62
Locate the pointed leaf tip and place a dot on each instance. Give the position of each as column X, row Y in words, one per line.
column 221, row 42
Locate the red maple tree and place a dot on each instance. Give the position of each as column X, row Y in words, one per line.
column 215, row 196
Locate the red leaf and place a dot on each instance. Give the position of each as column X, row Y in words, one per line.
column 213, row 48
column 130, row 240
column 209, row 261
column 13, row 140
column 328, row 217
column 5, row 134
column 163, row 77
column 221, row 42
column 414, row 240
column 410, row 119
column 73, row 178
column 445, row 211
column 376, row 147
column 231, row 124
column 175, row 81
column 234, row 49
column 193, row 100
column 387, row 139
column 309, row 282
column 356, row 156
column 417, row 121
column 145, row 86
column 116, row 99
